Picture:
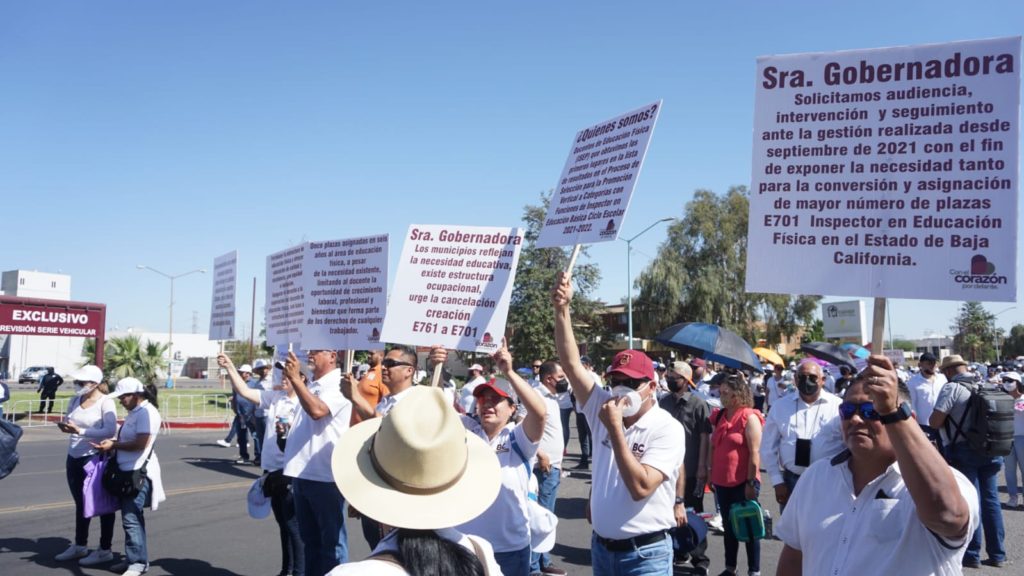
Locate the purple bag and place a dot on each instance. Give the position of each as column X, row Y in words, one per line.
column 96, row 500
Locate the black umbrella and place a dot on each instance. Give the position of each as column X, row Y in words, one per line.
column 828, row 352
column 710, row 342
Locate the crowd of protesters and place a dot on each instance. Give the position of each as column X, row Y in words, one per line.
column 869, row 468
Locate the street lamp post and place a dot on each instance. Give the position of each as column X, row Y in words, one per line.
column 629, row 275
column 996, row 331
column 170, row 319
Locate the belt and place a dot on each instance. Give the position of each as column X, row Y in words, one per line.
column 633, row 543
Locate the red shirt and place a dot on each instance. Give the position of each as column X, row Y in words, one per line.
column 730, row 458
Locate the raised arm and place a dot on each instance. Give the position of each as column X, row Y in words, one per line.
column 565, row 340
column 940, row 505
column 239, row 385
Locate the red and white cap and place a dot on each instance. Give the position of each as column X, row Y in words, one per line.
column 632, row 364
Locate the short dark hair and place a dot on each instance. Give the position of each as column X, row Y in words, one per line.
column 548, row 368
column 408, row 354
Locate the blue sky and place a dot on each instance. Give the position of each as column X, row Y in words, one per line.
column 169, row 133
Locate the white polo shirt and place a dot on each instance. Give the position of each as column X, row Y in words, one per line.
column 307, row 454
column 923, row 394
column 657, row 440
column 276, row 404
column 877, row 532
column 390, row 401
column 791, row 418
column 551, row 442
column 505, row 523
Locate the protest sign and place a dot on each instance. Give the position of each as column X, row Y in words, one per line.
column 281, row 356
column 845, row 320
column 222, row 307
column 598, row 180
column 345, row 293
column 284, row 296
column 887, row 173
column 453, row 287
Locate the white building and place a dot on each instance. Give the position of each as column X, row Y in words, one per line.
column 20, row 352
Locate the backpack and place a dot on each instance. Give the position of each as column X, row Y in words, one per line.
column 10, row 433
column 987, row 423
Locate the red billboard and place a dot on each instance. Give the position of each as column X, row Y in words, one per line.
column 38, row 317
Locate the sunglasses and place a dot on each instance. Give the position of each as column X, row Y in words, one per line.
column 813, row 378
column 391, row 363
column 537, row 366
column 866, row 409
column 633, row 383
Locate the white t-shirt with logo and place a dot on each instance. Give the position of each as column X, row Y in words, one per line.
column 657, row 440
column 505, row 523
column 276, row 404
column 307, row 454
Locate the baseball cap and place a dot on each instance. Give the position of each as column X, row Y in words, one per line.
column 245, row 368
column 500, row 386
column 127, row 385
column 88, row 373
column 477, row 367
column 683, row 369
column 260, row 363
column 927, row 357
column 256, row 501
column 632, row 364
column 697, row 362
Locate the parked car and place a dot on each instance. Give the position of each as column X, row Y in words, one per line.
column 33, row 374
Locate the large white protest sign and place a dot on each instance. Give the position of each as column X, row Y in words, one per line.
column 453, row 287
column 345, row 284
column 887, row 173
column 284, row 297
column 598, row 179
column 222, row 306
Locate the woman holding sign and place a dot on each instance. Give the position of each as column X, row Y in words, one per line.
column 505, row 523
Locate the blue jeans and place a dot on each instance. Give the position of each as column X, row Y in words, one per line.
column 982, row 471
column 515, row 563
column 292, row 551
column 547, row 492
column 583, row 431
column 1014, row 462
column 75, row 468
column 565, row 413
column 321, row 512
column 654, row 559
column 728, row 496
column 134, row 523
column 258, row 432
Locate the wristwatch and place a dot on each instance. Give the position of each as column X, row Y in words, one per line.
column 680, row 500
column 902, row 413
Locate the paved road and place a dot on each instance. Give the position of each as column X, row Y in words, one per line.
column 203, row 529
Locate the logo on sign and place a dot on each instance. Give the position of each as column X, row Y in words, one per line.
column 833, row 311
column 374, row 336
column 609, row 230
column 980, row 276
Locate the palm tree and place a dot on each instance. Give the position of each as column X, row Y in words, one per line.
column 127, row 356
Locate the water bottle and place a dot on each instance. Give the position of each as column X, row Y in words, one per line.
column 767, row 525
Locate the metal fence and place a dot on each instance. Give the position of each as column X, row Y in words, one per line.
column 177, row 408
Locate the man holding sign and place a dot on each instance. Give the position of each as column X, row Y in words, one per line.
column 638, row 452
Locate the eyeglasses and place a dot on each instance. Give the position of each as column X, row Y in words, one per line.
column 866, row 410
column 812, row 378
column 391, row 363
column 536, row 366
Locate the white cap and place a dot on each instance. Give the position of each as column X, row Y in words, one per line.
column 1011, row 376
column 88, row 373
column 257, row 503
column 260, row 363
column 477, row 367
column 127, row 385
column 245, row 368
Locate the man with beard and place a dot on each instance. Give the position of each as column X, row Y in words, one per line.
column 800, row 429
column 693, row 413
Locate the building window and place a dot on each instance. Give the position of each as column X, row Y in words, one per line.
column 53, row 284
column 21, row 281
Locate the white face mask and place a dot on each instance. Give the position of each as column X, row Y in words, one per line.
column 83, row 390
column 633, row 400
column 1009, row 387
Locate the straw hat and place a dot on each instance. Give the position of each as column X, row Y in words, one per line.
column 951, row 361
column 418, row 467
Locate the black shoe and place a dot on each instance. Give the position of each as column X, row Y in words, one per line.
column 583, row 465
column 995, row 563
column 970, row 563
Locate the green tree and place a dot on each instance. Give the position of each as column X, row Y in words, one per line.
column 531, row 320
column 1013, row 345
column 974, row 332
column 815, row 332
column 905, row 345
column 128, row 356
column 699, row 275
